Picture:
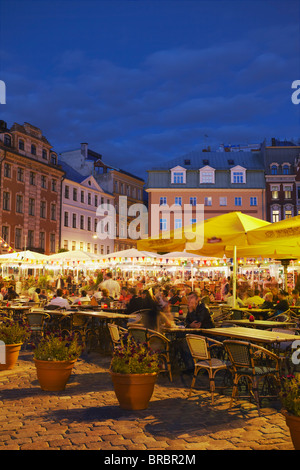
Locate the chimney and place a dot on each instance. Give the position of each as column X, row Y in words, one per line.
column 84, row 150
column 273, row 142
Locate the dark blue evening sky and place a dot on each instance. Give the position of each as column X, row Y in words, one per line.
column 146, row 80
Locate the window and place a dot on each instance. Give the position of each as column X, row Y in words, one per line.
column 67, row 192
column 66, row 245
column 42, row 240
column 88, row 247
column 6, row 201
column 44, row 182
column 81, row 246
column 253, row 201
column 178, row 201
column 193, row 201
column 30, row 238
column 163, row 224
column 33, row 149
column 44, row 154
column 275, row 192
column 237, row 201
column 53, row 160
column 53, row 212
column 275, row 215
column 18, row 238
column 178, row 223
column 31, row 206
column 288, row 214
column 96, row 200
column 5, row 233
column 89, row 199
column 178, row 177
column 32, row 178
column 53, row 185
column 74, row 221
column 66, row 219
column 95, row 225
column 95, row 248
column 73, row 245
column 238, row 177
column 7, row 140
column 285, row 170
column 21, row 144
column 163, row 201
column 89, row 225
column 74, row 194
column 288, row 192
column 43, row 210
column 208, row 201
column 274, row 170
column 19, row 204
column 52, row 242
column 82, row 222
column 82, row 196
column 20, row 175
column 207, row 177
column 223, row 201
column 7, row 170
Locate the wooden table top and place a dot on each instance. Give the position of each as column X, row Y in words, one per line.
column 251, row 334
column 260, row 323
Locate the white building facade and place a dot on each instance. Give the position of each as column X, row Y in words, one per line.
column 81, row 197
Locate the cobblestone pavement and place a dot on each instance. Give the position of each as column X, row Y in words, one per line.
column 87, row 416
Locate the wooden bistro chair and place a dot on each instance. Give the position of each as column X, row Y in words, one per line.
column 36, row 319
column 116, row 334
column 253, row 362
column 200, row 348
column 156, row 341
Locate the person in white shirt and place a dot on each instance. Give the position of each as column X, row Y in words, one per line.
column 59, row 301
column 112, row 286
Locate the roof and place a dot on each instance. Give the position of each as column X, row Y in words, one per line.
column 217, row 160
column 72, row 174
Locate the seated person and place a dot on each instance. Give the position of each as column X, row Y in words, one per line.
column 282, row 305
column 83, row 298
column 198, row 315
column 230, row 300
column 106, row 298
column 255, row 299
column 125, row 295
column 174, row 299
column 268, row 303
column 11, row 294
column 296, row 298
column 58, row 301
column 135, row 303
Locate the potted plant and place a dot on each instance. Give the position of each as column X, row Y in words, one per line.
column 134, row 368
column 54, row 358
column 290, row 399
column 12, row 336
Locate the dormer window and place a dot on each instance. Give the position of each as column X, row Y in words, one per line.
column 285, row 169
column 207, row 175
column 238, row 175
column 274, row 169
column 178, row 175
column 7, row 140
column 33, row 149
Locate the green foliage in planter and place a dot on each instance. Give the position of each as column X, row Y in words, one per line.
column 290, row 394
column 54, row 347
column 134, row 358
column 12, row 332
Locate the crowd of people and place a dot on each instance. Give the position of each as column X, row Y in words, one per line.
column 159, row 298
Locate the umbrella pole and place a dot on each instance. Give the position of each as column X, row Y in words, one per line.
column 234, row 278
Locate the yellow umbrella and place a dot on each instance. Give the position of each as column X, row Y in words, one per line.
column 285, row 233
column 210, row 237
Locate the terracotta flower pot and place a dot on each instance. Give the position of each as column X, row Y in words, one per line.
column 293, row 423
column 53, row 375
column 133, row 391
column 12, row 354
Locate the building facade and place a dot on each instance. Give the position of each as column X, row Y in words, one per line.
column 31, row 181
column 125, row 188
column 81, row 197
column 222, row 182
column 282, row 163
